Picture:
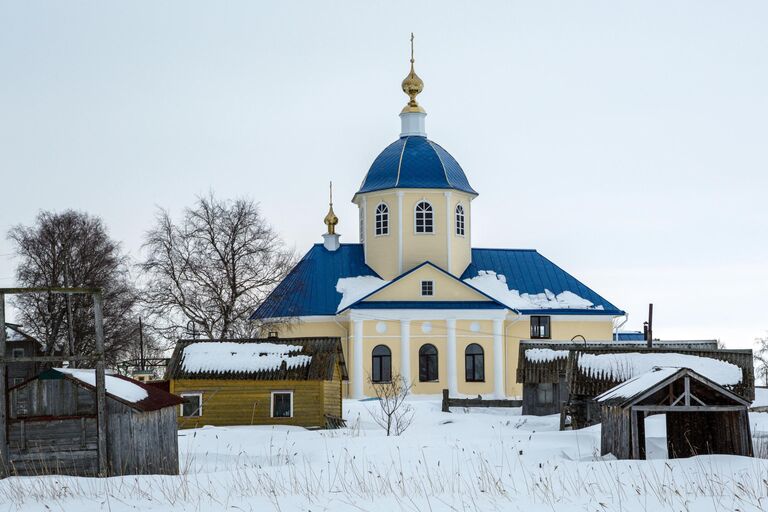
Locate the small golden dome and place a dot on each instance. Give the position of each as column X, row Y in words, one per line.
column 412, row 86
column 331, row 219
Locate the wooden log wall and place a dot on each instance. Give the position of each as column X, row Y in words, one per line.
column 247, row 402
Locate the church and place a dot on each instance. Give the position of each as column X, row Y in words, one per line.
column 413, row 297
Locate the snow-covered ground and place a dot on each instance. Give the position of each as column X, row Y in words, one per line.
column 478, row 459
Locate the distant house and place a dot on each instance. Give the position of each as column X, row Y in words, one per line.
column 702, row 416
column 20, row 344
column 52, row 426
column 564, row 377
column 259, row 381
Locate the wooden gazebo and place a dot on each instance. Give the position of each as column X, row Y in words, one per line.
column 702, row 417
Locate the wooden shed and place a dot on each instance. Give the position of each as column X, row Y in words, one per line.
column 52, row 426
column 591, row 372
column 557, row 378
column 702, row 417
column 296, row 381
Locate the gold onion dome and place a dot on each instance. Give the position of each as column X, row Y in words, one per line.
column 331, row 219
column 412, row 86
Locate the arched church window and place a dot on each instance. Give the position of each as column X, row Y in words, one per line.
column 382, row 219
column 362, row 225
column 424, row 218
column 427, row 363
column 459, row 220
column 474, row 363
column 381, row 369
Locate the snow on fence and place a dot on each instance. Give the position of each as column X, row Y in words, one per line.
column 476, row 402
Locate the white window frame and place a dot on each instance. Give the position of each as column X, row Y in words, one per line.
column 432, row 285
column 199, row 410
column 272, row 402
column 463, row 220
column 385, row 220
column 432, row 223
column 16, row 350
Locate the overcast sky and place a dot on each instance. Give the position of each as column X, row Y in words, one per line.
column 626, row 141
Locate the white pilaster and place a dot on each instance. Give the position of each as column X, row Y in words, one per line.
column 448, row 230
column 498, row 359
column 453, row 379
column 357, row 369
column 405, row 350
column 399, row 232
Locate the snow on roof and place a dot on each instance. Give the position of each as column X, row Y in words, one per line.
column 230, row 357
column 353, row 289
column 544, row 355
column 638, row 384
column 624, row 366
column 13, row 335
column 117, row 387
column 495, row 285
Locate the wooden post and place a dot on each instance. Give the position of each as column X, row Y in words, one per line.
column 634, row 434
column 4, row 465
column 101, row 397
column 445, row 401
column 650, row 326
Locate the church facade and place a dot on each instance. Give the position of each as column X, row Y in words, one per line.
column 414, row 298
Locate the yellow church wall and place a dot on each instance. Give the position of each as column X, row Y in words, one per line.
column 381, row 250
column 467, row 331
column 420, row 247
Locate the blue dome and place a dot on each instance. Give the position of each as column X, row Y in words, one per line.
column 415, row 162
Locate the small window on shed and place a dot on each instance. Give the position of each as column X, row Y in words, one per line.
column 282, row 404
column 192, row 406
column 540, row 327
column 17, row 352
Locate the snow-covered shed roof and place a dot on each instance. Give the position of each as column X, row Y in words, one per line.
column 14, row 332
column 133, row 393
column 521, row 279
column 630, row 391
column 258, row 359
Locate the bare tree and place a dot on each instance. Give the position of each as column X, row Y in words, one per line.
column 394, row 415
column 211, row 268
column 73, row 248
column 761, row 359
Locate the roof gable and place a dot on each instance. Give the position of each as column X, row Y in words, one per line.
column 407, row 288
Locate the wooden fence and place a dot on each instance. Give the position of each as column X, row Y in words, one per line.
column 449, row 402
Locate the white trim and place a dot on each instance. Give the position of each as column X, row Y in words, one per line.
column 272, row 402
column 426, row 314
column 198, row 394
column 357, row 359
column 399, row 194
column 400, row 162
column 498, row 360
column 405, row 350
column 363, row 232
column 453, row 379
column 448, row 237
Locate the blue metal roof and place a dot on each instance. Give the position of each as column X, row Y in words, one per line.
column 529, row 272
column 631, row 336
column 415, row 162
column 310, row 288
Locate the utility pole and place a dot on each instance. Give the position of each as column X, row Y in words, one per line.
column 649, row 326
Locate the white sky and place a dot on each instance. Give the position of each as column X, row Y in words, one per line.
column 626, row 141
